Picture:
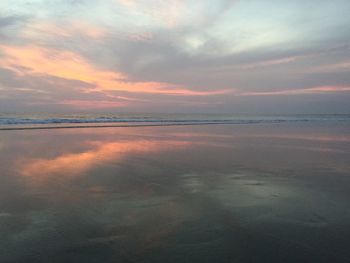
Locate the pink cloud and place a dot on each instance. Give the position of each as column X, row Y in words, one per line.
column 38, row 61
column 267, row 63
column 337, row 67
column 92, row 104
column 315, row 90
column 75, row 28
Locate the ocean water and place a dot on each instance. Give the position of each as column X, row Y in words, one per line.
column 51, row 120
column 262, row 192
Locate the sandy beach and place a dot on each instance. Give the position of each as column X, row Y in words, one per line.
column 211, row 193
column 176, row 131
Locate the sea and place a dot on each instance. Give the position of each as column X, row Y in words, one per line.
column 44, row 120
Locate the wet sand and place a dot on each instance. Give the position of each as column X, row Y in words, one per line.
column 216, row 193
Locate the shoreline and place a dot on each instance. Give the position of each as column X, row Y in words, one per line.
column 130, row 126
column 14, row 127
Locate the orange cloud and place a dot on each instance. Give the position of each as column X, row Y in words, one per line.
column 33, row 60
column 63, row 64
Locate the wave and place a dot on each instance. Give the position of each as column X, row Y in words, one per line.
column 10, row 123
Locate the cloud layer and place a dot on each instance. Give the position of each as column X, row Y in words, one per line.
column 179, row 56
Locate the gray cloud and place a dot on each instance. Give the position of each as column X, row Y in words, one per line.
column 9, row 26
column 194, row 56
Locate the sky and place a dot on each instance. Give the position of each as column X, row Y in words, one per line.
column 223, row 56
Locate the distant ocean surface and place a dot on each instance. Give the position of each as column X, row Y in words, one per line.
column 51, row 120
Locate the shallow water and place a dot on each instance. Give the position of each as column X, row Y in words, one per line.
column 217, row 193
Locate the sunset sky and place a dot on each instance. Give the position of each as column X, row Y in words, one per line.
column 223, row 56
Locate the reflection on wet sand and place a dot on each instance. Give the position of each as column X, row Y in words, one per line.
column 325, row 138
column 175, row 194
column 74, row 164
